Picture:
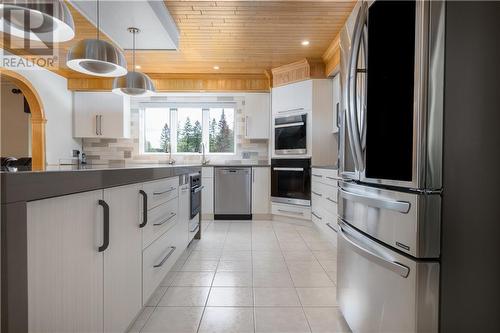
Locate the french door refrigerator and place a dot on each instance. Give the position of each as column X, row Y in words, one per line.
column 390, row 162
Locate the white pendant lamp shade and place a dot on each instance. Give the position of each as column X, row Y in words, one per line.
column 134, row 83
column 38, row 20
column 97, row 57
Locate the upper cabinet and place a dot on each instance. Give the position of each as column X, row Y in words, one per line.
column 336, row 103
column 257, row 116
column 101, row 115
column 296, row 96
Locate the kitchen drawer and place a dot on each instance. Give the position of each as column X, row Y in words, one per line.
column 326, row 194
column 160, row 219
column 298, row 212
column 326, row 223
column 161, row 191
column 325, row 176
column 194, row 226
column 207, row 172
column 157, row 260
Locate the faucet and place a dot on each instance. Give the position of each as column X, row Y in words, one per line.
column 171, row 161
column 204, row 160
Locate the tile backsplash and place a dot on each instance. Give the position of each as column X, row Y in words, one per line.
column 113, row 151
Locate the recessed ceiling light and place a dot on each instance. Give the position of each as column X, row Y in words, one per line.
column 137, row 66
column 216, row 67
column 305, row 43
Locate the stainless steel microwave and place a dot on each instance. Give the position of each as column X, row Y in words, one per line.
column 290, row 134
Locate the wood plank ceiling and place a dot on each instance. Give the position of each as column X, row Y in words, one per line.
column 241, row 37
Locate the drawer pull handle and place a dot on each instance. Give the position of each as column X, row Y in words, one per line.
column 329, row 225
column 172, row 249
column 195, row 229
column 319, row 176
column 166, row 220
column 332, row 178
column 163, row 192
column 331, row 200
column 144, row 209
column 105, row 236
column 317, row 216
column 316, row 193
column 290, row 212
column 198, row 189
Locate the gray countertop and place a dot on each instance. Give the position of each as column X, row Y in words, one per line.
column 330, row 167
column 239, row 165
column 27, row 185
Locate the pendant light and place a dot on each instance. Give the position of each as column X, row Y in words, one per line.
column 38, row 20
column 97, row 57
column 134, row 83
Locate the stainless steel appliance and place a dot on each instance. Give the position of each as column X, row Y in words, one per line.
column 233, row 193
column 290, row 134
column 390, row 161
column 291, row 181
column 196, row 188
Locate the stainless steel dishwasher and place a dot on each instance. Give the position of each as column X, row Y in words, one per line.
column 233, row 193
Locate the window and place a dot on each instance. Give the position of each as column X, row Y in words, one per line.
column 183, row 129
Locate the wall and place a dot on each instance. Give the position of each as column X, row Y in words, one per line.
column 105, row 151
column 57, row 103
column 15, row 131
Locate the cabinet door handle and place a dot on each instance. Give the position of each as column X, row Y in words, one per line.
column 165, row 220
column 319, row 176
column 144, row 209
column 316, row 193
column 163, row 192
column 246, row 126
column 253, row 175
column 317, row 216
column 96, row 124
column 290, row 212
column 100, row 124
column 329, row 225
column 331, row 200
column 172, row 249
column 105, row 242
column 195, row 229
column 331, row 178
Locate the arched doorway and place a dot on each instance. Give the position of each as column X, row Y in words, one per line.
column 37, row 116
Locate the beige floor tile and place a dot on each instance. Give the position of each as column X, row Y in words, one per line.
column 271, row 266
column 185, row 296
column 169, row 278
column 141, row 319
column 304, row 266
column 193, row 279
column 200, row 266
column 276, row 297
column 326, row 320
column 317, row 296
column 236, row 255
column 205, row 255
column 173, row 320
column 329, row 265
column 333, row 276
column 227, row 320
column 233, row 279
column 272, row 279
column 156, row 297
column 280, row 320
column 325, row 255
column 230, row 296
column 311, row 279
column 235, row 266
column 305, row 255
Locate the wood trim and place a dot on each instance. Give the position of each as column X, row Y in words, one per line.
column 184, row 83
column 331, row 57
column 38, row 119
column 301, row 70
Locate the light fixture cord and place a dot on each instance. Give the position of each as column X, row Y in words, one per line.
column 98, row 20
column 133, row 50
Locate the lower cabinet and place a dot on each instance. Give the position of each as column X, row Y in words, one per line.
column 324, row 201
column 207, row 195
column 88, row 267
column 261, row 190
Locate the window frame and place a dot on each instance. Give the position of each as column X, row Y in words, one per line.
column 173, row 119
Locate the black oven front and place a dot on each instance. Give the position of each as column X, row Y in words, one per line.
column 290, row 135
column 291, row 181
column 196, row 188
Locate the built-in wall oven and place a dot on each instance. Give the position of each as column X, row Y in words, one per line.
column 196, row 188
column 389, row 199
column 291, row 181
column 290, row 134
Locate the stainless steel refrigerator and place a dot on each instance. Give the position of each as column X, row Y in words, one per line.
column 390, row 161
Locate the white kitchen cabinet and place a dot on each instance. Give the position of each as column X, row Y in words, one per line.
column 65, row 268
column 101, row 115
column 293, row 97
column 207, row 195
column 324, row 201
column 123, row 258
column 261, row 190
column 184, row 211
column 336, row 103
column 257, row 116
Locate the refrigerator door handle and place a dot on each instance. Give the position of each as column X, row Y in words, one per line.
column 379, row 202
column 346, row 233
column 353, row 125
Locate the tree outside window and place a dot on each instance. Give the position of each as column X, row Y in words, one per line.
column 156, row 130
column 189, row 130
column 221, row 130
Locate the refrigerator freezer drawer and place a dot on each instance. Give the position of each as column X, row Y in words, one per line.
column 382, row 291
column 409, row 222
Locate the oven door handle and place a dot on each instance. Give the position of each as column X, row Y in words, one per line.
column 288, row 169
column 198, row 189
column 347, row 234
column 300, row 123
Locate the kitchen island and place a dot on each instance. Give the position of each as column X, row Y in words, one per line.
column 104, row 236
